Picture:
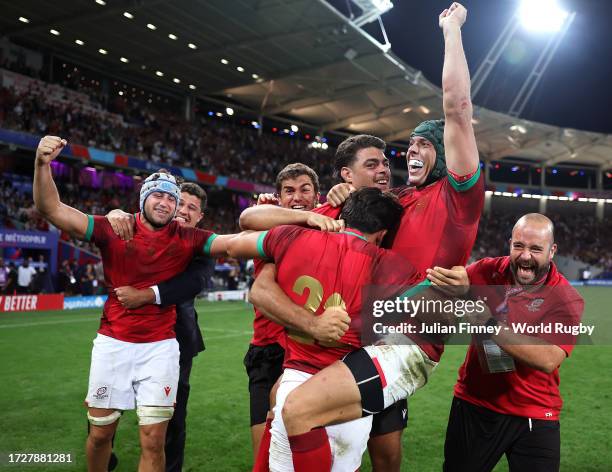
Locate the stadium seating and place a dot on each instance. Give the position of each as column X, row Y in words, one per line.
column 218, row 147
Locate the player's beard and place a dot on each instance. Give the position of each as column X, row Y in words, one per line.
column 153, row 223
column 539, row 271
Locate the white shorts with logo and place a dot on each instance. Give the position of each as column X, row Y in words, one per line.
column 348, row 440
column 405, row 368
column 123, row 375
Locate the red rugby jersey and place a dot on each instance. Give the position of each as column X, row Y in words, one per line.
column 319, row 269
column 524, row 391
column 439, row 223
column 438, row 227
column 150, row 258
column 265, row 331
column 328, row 210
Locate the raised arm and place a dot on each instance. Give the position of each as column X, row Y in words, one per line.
column 459, row 139
column 264, row 217
column 46, row 196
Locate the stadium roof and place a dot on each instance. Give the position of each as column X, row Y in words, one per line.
column 293, row 59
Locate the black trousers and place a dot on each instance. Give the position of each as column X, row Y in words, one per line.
column 477, row 438
column 264, row 365
column 177, row 428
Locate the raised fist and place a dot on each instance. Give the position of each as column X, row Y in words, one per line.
column 49, row 148
column 453, row 15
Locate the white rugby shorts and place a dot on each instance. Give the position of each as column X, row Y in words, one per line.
column 354, row 433
column 123, row 375
column 403, row 368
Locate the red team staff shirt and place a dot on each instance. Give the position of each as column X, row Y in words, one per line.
column 318, row 270
column 150, row 258
column 524, row 391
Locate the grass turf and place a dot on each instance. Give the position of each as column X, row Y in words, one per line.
column 45, row 364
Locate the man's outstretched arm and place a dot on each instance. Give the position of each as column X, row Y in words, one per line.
column 459, row 140
column 46, row 196
column 264, row 217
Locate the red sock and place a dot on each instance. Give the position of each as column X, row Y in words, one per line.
column 311, row 451
column 261, row 463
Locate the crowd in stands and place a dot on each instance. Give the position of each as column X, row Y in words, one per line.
column 224, row 147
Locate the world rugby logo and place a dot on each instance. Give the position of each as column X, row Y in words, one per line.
column 101, row 393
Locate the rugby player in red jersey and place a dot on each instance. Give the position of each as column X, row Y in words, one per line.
column 141, row 342
column 297, row 187
column 444, row 196
column 323, row 270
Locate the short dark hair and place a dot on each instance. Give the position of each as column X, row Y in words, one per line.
column 293, row 171
column 196, row 191
column 348, row 149
column 369, row 209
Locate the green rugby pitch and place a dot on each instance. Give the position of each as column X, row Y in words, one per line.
column 45, row 363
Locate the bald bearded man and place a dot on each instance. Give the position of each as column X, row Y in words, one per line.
column 507, row 397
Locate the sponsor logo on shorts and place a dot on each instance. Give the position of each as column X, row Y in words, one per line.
column 167, row 389
column 101, row 393
column 404, row 412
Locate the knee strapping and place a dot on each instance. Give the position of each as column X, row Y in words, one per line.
column 154, row 414
column 104, row 420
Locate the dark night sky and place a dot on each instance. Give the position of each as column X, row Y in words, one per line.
column 576, row 89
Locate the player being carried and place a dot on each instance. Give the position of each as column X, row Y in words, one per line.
column 325, row 270
column 444, row 196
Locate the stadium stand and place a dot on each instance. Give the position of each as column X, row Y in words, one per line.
column 220, row 148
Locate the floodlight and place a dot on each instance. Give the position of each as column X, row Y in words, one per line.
column 542, row 15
